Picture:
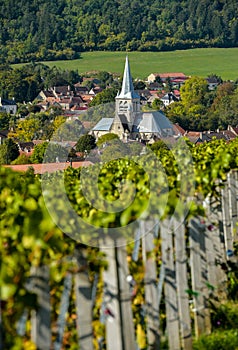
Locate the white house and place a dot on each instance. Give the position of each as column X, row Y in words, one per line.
column 8, row 106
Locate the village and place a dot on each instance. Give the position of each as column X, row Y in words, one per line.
column 139, row 115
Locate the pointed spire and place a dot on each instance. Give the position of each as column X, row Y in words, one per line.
column 127, row 90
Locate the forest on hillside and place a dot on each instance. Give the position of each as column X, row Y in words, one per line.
column 61, row 29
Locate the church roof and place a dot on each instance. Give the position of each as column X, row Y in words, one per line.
column 103, row 125
column 127, row 90
column 152, row 122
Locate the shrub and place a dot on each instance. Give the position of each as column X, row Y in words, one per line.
column 218, row 341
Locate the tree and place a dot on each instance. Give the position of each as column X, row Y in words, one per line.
column 28, row 129
column 38, row 153
column 4, row 121
column 49, row 152
column 168, row 85
column 193, row 91
column 114, row 149
column 9, row 151
column 193, row 100
column 21, row 159
column 106, row 96
column 106, row 138
column 157, row 104
column 105, row 77
column 86, row 143
column 139, row 85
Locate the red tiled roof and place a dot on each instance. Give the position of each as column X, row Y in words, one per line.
column 171, row 75
column 48, row 167
column 176, row 92
column 178, row 129
column 193, row 133
column 153, row 92
column 235, row 130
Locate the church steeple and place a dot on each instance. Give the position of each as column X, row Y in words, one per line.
column 127, row 90
column 127, row 104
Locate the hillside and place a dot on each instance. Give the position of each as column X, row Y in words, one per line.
column 61, row 29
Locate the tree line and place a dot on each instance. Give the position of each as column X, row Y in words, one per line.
column 61, row 29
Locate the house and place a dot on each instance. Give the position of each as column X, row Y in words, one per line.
column 197, row 136
column 3, row 136
column 163, row 76
column 144, row 94
column 8, row 106
column 206, row 136
column 178, row 130
column 154, row 86
column 212, row 83
column 26, row 147
column 169, row 98
column 233, row 129
column 46, row 95
column 129, row 122
column 79, row 89
column 95, row 90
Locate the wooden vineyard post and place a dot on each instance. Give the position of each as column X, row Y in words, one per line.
column 117, row 299
column 182, row 284
column 170, row 288
column 125, row 298
column 40, row 319
column 199, row 276
column 64, row 305
column 232, row 179
column 83, row 302
column 226, row 218
column 215, row 248
column 151, row 290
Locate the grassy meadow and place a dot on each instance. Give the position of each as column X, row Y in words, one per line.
column 201, row 62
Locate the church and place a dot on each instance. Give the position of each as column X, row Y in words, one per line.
column 129, row 122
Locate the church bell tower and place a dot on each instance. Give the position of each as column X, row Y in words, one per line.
column 127, row 101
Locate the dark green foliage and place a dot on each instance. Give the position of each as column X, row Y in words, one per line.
column 9, row 151
column 106, row 138
column 106, row 96
column 49, row 153
column 60, row 29
column 38, row 153
column 4, row 121
column 25, row 83
column 22, row 159
column 86, row 143
column 218, row 341
column 158, row 145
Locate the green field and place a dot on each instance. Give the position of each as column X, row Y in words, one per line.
column 223, row 62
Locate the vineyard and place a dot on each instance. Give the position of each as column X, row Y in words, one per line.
column 144, row 260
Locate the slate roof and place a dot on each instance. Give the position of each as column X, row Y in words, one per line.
column 103, row 125
column 5, row 102
column 152, row 122
column 4, row 133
